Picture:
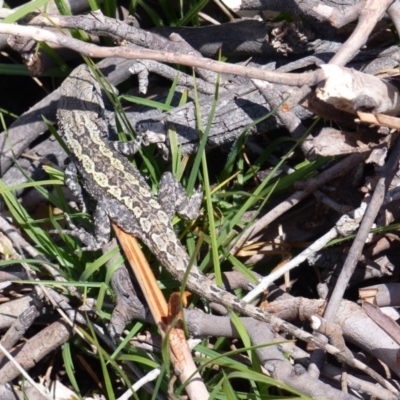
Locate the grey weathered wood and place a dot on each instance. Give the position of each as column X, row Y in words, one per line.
column 235, row 112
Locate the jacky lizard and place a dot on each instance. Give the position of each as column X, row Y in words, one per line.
column 124, row 197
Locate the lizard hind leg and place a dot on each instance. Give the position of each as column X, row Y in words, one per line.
column 85, row 237
column 173, row 198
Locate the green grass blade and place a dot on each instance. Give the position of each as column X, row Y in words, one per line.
column 93, row 5
column 171, row 91
column 138, row 360
column 24, row 10
column 168, row 11
column 216, row 389
column 228, row 390
column 201, row 158
column 34, row 184
column 69, row 367
column 146, row 102
column 192, row 13
column 136, row 328
column 106, row 376
column 266, row 380
column 110, row 8
column 63, row 7
column 97, row 264
column 63, row 68
column 255, row 362
column 159, row 381
column 152, row 14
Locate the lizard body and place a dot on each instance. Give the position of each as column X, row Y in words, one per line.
column 124, row 197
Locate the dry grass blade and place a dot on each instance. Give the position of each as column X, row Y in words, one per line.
column 181, row 353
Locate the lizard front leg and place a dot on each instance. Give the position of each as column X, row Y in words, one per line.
column 173, row 198
column 71, row 180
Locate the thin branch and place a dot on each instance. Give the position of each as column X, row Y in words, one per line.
column 372, row 12
column 94, row 51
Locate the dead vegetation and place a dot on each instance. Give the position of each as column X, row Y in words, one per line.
column 300, row 126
